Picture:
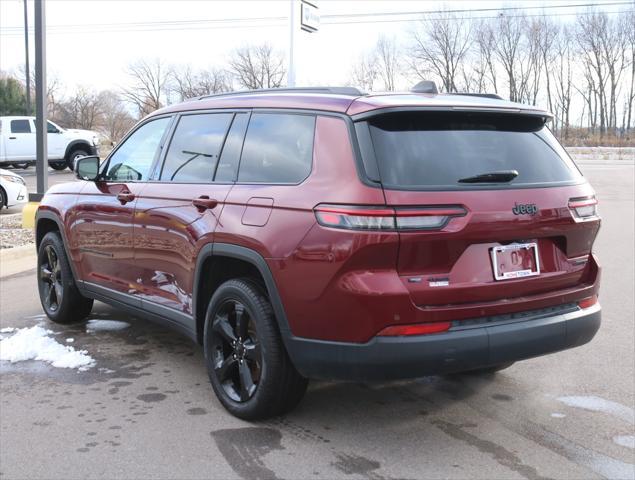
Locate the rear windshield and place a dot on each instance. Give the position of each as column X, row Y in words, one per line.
column 434, row 150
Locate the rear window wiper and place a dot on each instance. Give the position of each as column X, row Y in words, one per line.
column 491, row 177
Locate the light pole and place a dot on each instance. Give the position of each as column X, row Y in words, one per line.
column 291, row 69
column 26, row 54
column 40, row 101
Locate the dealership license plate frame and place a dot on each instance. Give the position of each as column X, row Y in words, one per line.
column 515, row 274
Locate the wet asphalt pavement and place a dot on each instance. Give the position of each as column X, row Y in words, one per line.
column 146, row 409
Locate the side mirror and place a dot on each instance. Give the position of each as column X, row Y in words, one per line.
column 87, row 168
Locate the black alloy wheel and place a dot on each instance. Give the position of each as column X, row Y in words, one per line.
column 236, row 353
column 50, row 277
column 60, row 298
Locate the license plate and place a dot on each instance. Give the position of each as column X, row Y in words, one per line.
column 517, row 260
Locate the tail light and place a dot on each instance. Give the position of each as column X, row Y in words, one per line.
column 584, row 208
column 588, row 302
column 386, row 218
column 415, row 329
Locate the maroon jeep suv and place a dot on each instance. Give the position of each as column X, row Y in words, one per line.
column 330, row 234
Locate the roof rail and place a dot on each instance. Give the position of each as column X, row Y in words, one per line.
column 350, row 91
column 484, row 95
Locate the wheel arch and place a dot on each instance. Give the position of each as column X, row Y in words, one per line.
column 75, row 145
column 47, row 221
column 239, row 262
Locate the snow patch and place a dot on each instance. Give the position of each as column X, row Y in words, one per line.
column 627, row 441
column 70, row 340
column 105, row 325
column 35, row 344
column 598, row 404
column 7, row 330
column 558, row 415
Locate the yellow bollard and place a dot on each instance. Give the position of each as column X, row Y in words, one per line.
column 28, row 214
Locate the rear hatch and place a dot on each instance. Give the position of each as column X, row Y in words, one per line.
column 490, row 208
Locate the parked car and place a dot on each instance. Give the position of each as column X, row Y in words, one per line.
column 12, row 189
column 329, row 234
column 17, row 143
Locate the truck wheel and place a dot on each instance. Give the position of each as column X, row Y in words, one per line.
column 248, row 366
column 23, row 166
column 59, row 295
column 3, row 198
column 72, row 158
column 57, row 165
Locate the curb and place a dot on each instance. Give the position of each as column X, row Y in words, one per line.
column 17, row 259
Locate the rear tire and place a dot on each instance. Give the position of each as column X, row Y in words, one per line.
column 59, row 295
column 3, row 199
column 57, row 165
column 248, row 366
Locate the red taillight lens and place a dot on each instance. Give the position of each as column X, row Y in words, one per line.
column 584, row 207
column 588, row 302
column 416, row 329
column 382, row 218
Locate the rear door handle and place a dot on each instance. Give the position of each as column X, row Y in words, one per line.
column 203, row 203
column 13, row 138
column 125, row 197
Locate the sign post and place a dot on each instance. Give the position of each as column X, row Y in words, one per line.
column 309, row 22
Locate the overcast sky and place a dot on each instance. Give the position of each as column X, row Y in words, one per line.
column 90, row 43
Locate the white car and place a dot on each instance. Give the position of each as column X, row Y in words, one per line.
column 12, row 189
column 65, row 146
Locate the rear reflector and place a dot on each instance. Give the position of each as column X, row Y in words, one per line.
column 416, row 329
column 584, row 208
column 588, row 302
column 382, row 218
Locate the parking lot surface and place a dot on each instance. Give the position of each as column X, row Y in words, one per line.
column 146, row 409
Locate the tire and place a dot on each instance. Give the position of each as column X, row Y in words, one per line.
column 3, row 199
column 23, row 166
column 59, row 295
column 74, row 155
column 57, row 165
column 254, row 378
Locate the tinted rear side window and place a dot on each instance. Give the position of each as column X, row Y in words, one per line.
column 195, row 148
column 434, row 150
column 278, row 148
column 20, row 126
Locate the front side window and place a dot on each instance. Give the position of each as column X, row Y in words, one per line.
column 50, row 128
column 133, row 159
column 20, row 126
column 278, row 148
column 195, row 147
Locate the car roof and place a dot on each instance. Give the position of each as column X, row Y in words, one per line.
column 346, row 100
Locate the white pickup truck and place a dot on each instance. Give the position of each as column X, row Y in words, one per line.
column 17, row 143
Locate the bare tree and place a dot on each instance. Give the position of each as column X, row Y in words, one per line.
column 484, row 38
column 515, row 43
column 630, row 100
column 148, row 87
column 388, row 62
column 439, row 46
column 187, row 83
column 257, row 66
column 561, row 72
column 115, row 119
column 365, row 71
column 81, row 110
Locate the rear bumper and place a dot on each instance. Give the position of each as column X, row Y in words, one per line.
column 384, row 358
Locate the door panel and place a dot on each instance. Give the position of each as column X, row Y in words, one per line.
column 20, row 139
column 103, row 226
column 178, row 213
column 103, row 233
column 168, row 232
